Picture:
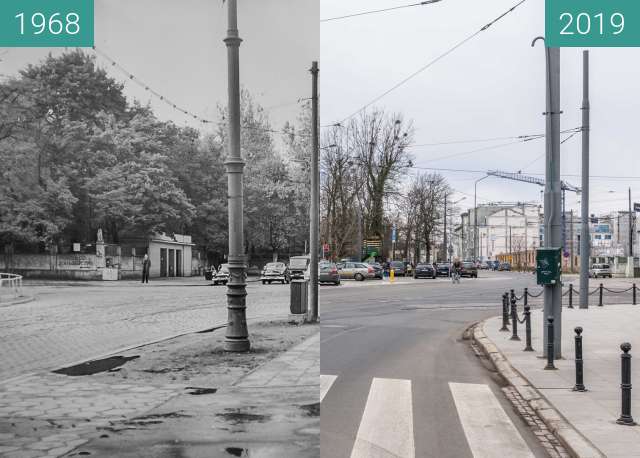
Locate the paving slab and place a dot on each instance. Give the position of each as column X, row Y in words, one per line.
column 592, row 413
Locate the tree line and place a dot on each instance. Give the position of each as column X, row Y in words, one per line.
column 77, row 156
column 368, row 186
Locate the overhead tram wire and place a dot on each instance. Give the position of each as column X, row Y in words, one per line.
column 431, row 63
column 363, row 13
column 483, row 140
column 570, row 175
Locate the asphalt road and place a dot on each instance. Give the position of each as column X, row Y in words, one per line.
column 389, row 357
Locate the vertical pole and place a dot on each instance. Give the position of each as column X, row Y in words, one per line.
column 579, row 386
column 446, row 251
column 625, row 417
column 585, row 238
column 237, row 334
column 630, row 231
column 552, row 196
column 314, row 235
column 601, row 291
column 634, row 294
column 527, row 324
column 550, row 337
column 514, row 318
column 570, row 295
column 571, row 238
column 505, row 312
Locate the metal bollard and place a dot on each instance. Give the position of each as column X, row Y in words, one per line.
column 579, row 362
column 550, row 345
column 601, row 292
column 634, row 294
column 570, row 295
column 527, row 328
column 514, row 318
column 526, row 296
column 626, row 418
column 505, row 312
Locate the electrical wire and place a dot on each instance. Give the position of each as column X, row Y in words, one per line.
column 432, row 62
column 427, row 2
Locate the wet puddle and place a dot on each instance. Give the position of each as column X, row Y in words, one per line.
column 96, row 366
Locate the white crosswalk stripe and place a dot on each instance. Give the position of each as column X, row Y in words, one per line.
column 485, row 424
column 325, row 384
column 386, row 428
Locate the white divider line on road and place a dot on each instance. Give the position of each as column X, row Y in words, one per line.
column 488, row 429
column 326, row 381
column 386, row 428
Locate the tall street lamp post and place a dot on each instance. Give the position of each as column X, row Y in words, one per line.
column 475, row 217
column 237, row 336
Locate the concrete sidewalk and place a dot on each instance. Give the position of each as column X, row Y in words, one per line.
column 591, row 414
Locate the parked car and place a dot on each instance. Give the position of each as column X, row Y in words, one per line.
column 297, row 267
column 378, row 270
column 328, row 273
column 469, row 269
column 505, row 266
column 275, row 271
column 399, row 269
column 600, row 271
column 222, row 275
column 424, row 271
column 356, row 270
column 443, row 269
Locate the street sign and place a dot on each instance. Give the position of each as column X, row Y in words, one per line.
column 325, row 248
column 636, row 207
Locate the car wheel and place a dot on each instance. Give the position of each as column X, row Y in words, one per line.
column 337, row 283
column 358, row 277
column 269, row 281
column 264, row 282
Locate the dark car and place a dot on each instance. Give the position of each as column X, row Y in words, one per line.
column 424, row 271
column 505, row 266
column 443, row 269
column 399, row 269
column 275, row 271
column 328, row 273
column 378, row 270
column 469, row 269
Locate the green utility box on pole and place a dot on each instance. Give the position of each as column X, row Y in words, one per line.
column 548, row 265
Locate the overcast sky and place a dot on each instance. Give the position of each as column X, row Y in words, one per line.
column 493, row 86
column 177, row 49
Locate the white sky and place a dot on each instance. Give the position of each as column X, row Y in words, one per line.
column 493, row 86
column 176, row 48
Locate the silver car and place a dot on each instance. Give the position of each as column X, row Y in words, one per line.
column 600, row 271
column 356, row 270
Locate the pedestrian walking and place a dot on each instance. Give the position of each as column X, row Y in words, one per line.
column 146, row 266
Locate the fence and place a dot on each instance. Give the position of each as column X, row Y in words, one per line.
column 598, row 296
column 10, row 286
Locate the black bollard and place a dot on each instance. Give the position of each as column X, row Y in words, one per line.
column 601, row 292
column 505, row 312
column 550, row 345
column 526, row 296
column 570, row 295
column 634, row 294
column 514, row 318
column 527, row 327
column 579, row 362
column 626, row 418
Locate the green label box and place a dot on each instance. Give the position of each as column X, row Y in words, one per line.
column 592, row 23
column 46, row 23
column 548, row 265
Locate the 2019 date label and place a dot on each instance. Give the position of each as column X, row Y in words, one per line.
column 592, row 23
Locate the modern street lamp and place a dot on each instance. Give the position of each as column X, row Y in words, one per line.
column 237, row 334
column 475, row 216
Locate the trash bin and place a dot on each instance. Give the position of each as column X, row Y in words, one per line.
column 299, row 298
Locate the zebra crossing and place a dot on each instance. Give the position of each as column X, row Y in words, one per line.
column 386, row 428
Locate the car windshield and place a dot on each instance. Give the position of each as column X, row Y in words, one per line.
column 298, row 263
column 326, row 266
column 275, row 265
column 443, row 265
column 468, row 264
column 422, row 266
column 397, row 264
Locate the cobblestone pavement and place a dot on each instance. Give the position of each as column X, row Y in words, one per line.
column 72, row 323
column 49, row 415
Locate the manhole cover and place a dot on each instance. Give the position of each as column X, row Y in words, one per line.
column 96, row 366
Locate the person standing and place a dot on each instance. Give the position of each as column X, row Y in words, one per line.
column 146, row 266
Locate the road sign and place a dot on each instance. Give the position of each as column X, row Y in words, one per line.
column 325, row 247
column 636, row 207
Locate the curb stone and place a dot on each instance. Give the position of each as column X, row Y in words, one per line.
column 575, row 443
